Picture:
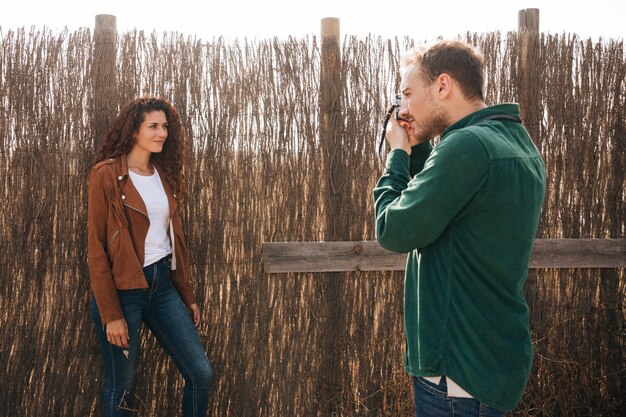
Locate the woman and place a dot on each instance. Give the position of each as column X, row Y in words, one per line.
column 137, row 256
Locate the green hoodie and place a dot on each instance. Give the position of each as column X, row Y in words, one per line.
column 467, row 213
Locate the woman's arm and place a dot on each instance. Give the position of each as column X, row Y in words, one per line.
column 100, row 274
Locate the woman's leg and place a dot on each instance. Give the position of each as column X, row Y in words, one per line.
column 119, row 363
column 170, row 322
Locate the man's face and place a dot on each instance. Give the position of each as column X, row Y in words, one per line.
column 420, row 105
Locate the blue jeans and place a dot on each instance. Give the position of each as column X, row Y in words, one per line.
column 163, row 311
column 432, row 401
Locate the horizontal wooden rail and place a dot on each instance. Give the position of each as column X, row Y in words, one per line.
column 281, row 257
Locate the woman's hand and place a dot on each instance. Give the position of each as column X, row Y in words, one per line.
column 194, row 310
column 117, row 333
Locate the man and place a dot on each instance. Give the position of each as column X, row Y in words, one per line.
column 467, row 212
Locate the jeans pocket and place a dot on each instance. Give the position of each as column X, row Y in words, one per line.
column 430, row 387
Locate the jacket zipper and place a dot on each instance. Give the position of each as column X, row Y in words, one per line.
column 136, row 209
column 117, row 232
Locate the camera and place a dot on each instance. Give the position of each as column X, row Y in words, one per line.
column 397, row 102
column 393, row 109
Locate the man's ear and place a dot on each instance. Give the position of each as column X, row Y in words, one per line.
column 444, row 85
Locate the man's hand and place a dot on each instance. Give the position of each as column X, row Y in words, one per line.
column 400, row 135
column 117, row 333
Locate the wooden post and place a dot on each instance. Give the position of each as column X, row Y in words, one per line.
column 528, row 79
column 330, row 142
column 528, row 96
column 105, row 75
column 330, row 286
column 529, row 100
column 528, row 20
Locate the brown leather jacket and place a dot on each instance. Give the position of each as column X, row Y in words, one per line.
column 117, row 223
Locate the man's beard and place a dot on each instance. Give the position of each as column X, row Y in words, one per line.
column 431, row 129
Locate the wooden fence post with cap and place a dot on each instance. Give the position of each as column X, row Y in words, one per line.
column 330, row 285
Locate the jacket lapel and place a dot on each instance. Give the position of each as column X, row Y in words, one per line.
column 130, row 195
column 171, row 197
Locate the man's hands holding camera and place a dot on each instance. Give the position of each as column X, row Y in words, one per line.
column 400, row 129
column 400, row 133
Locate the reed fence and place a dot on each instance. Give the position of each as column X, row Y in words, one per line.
column 292, row 344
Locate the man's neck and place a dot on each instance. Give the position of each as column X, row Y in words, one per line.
column 464, row 108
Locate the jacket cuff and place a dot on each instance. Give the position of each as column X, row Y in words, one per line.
column 419, row 155
column 186, row 293
column 109, row 307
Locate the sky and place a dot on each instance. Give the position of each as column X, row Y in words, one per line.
column 420, row 20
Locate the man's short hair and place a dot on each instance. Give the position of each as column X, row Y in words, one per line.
column 457, row 59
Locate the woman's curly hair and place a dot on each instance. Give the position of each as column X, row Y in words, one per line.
column 119, row 138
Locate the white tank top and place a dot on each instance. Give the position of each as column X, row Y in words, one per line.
column 151, row 190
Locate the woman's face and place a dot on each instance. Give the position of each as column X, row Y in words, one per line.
column 152, row 132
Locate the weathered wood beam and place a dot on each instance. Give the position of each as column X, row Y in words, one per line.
column 280, row 257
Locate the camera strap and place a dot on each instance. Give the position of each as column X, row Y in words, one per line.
column 391, row 110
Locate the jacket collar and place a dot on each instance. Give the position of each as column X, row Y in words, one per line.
column 508, row 109
column 122, row 166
